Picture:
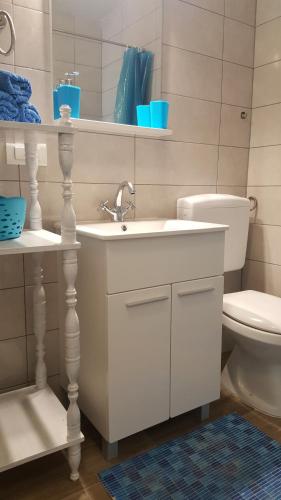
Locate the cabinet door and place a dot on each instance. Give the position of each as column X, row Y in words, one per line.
column 196, row 343
column 138, row 360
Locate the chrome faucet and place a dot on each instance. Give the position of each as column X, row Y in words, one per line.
column 119, row 211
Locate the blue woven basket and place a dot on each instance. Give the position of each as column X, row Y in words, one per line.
column 12, row 217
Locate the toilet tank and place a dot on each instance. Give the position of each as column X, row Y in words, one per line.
column 221, row 209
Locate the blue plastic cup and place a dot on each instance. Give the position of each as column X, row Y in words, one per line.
column 143, row 115
column 159, row 111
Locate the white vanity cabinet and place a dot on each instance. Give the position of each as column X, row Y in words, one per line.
column 150, row 340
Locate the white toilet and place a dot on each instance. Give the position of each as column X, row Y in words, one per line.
column 252, row 319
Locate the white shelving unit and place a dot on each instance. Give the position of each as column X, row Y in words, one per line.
column 33, row 422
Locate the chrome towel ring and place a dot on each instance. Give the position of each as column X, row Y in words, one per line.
column 5, row 19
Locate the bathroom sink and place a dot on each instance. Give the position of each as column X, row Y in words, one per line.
column 146, row 229
column 143, row 253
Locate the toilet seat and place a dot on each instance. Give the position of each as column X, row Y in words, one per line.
column 255, row 310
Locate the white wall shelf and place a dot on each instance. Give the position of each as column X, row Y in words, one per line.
column 119, row 129
column 33, row 423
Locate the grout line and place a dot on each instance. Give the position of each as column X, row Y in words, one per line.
column 267, row 63
column 264, row 262
column 207, row 55
column 217, row 13
column 267, row 105
column 268, row 21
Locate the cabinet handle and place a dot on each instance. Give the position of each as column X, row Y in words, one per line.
column 141, row 302
column 195, row 292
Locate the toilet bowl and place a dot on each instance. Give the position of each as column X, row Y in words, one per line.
column 253, row 370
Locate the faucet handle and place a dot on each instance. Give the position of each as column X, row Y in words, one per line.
column 102, row 206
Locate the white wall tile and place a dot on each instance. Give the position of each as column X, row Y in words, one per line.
column 241, row 10
column 7, row 172
column 239, row 42
column 13, row 364
column 233, row 166
column 12, row 313
column 33, row 40
column 268, row 42
column 237, row 85
column 234, row 131
column 194, row 120
column 267, row 85
column 186, row 73
column 191, row 28
column 267, row 10
column 178, row 163
column 266, row 126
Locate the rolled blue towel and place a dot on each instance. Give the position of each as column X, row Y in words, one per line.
column 28, row 113
column 15, row 85
column 9, row 110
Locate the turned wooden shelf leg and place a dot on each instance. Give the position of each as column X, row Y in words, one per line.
column 72, row 360
column 72, row 332
column 39, row 320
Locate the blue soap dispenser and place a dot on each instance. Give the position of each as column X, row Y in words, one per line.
column 67, row 93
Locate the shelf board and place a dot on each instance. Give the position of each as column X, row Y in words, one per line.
column 32, row 424
column 35, row 241
column 21, row 132
column 119, row 129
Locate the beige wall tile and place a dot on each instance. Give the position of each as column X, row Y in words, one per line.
column 234, row 190
column 11, row 271
column 268, row 42
column 233, row 166
column 265, row 243
column 12, row 313
column 186, row 74
column 262, row 277
column 7, row 172
column 269, row 204
column 178, row 163
column 233, row 130
column 194, row 120
column 103, row 158
column 42, row 5
column 193, row 29
column 264, row 166
column 88, row 53
column 267, row 10
column 237, row 85
column 91, row 105
column 238, row 43
column 63, row 48
column 213, row 5
column 267, row 85
column 51, row 357
column 51, row 290
column 9, row 188
column 5, row 35
column 161, row 201
column 13, row 364
column 241, row 10
column 33, row 43
column 266, row 126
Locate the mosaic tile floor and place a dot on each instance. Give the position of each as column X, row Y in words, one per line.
column 225, row 459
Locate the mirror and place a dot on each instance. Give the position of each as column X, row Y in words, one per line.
column 115, row 46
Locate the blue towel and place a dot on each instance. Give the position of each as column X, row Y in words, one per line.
column 11, row 111
column 15, row 85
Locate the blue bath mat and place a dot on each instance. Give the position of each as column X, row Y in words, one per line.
column 222, row 460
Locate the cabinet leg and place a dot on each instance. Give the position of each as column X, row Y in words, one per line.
column 109, row 450
column 74, row 459
column 205, row 412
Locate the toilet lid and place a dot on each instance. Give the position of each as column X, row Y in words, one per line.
column 258, row 310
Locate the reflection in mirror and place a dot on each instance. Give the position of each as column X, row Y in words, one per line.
column 115, row 47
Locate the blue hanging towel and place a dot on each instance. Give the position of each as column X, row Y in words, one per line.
column 15, row 85
column 134, row 85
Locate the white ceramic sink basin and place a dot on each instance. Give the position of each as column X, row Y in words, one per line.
column 146, row 229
